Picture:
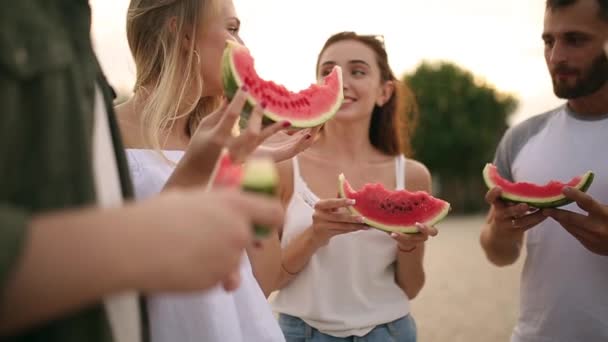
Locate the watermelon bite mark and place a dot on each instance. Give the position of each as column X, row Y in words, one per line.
column 307, row 108
column 548, row 195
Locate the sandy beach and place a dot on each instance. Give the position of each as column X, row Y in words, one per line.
column 465, row 298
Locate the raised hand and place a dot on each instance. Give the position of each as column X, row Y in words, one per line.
column 589, row 229
column 289, row 145
column 214, row 133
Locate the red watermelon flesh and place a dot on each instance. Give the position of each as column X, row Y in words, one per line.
column 394, row 210
column 306, row 108
column 228, row 174
column 536, row 195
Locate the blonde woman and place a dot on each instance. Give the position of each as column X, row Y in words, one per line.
column 177, row 46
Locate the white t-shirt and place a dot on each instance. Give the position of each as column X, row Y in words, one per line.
column 211, row 316
column 122, row 309
column 564, row 286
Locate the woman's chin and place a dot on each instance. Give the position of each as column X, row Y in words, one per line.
column 348, row 115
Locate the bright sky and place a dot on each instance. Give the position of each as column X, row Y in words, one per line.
column 498, row 41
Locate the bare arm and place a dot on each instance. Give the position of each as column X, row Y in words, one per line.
column 265, row 258
column 409, row 273
column 65, row 265
column 296, row 256
column 179, row 241
column 500, row 249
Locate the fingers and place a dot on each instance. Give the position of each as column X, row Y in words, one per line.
column 314, row 132
column 512, row 212
column 260, row 209
column 337, row 217
column 305, row 141
column 565, row 217
column 334, row 203
column 254, row 124
column 232, row 113
column 427, row 230
column 583, row 200
column 576, row 224
column 528, row 221
column 409, row 238
column 493, row 197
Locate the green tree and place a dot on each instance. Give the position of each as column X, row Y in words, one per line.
column 460, row 124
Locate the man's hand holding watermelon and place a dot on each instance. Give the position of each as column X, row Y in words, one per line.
column 590, row 229
column 506, row 224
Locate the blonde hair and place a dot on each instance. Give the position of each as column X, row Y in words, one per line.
column 169, row 76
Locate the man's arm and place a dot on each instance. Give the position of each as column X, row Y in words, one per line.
column 54, row 264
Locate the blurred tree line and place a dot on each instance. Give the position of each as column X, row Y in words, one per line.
column 460, row 123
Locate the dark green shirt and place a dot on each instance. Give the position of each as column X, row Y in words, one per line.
column 48, row 72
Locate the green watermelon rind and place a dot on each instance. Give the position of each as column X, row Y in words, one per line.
column 232, row 82
column 260, row 176
column 539, row 202
column 392, row 228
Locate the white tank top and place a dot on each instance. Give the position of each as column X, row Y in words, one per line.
column 348, row 287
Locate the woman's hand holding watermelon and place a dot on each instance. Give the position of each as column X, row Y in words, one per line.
column 408, row 242
column 330, row 219
column 591, row 229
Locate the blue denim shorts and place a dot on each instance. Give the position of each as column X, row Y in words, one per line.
column 400, row 330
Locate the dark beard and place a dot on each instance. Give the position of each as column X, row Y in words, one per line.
column 590, row 82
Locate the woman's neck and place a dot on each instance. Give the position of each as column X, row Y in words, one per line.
column 347, row 141
column 174, row 137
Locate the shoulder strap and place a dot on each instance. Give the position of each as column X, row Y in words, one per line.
column 400, row 172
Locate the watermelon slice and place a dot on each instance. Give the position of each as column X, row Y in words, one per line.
column 394, row 211
column 307, row 108
column 538, row 196
column 256, row 175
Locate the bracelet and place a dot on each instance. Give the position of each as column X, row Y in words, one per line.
column 286, row 271
column 405, row 250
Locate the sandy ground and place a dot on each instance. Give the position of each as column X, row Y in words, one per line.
column 465, row 298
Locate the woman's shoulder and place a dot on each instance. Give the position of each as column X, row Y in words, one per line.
column 418, row 176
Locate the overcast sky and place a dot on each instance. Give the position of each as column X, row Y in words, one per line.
column 498, row 41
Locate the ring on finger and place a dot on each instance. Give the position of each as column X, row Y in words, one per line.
column 513, row 223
